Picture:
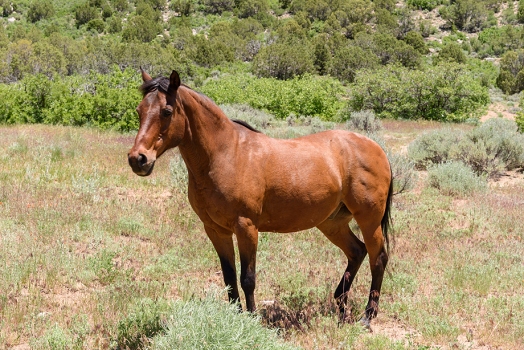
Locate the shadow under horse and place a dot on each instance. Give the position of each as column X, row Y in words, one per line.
column 242, row 182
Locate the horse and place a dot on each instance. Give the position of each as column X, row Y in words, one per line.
column 243, row 182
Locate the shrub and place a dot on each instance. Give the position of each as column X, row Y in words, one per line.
column 519, row 119
column 214, row 324
column 365, row 121
column 96, row 25
column 468, row 15
column 415, row 40
column 424, row 4
column 452, row 52
column 307, row 95
column 489, row 149
column 446, row 92
column 142, row 29
column 403, row 169
column 511, row 76
column 283, row 60
column 433, row 147
column 218, row 6
column 493, row 147
column 39, row 10
column 348, row 60
column 85, row 13
column 455, row 179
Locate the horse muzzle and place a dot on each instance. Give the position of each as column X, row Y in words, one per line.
column 141, row 164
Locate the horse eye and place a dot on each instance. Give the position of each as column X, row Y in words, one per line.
column 166, row 112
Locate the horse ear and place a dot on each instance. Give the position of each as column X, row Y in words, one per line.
column 145, row 76
column 174, row 80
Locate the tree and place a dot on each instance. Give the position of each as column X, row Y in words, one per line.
column 468, row 15
column 283, row 60
column 218, row 6
column 415, row 40
column 452, row 52
column 511, row 76
column 349, row 60
column 140, row 28
column 85, row 13
column 40, row 9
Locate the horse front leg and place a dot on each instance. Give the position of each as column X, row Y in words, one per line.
column 247, row 237
column 223, row 242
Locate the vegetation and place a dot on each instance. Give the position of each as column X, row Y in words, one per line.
column 216, row 43
column 455, row 179
column 91, row 254
column 490, row 149
column 96, row 257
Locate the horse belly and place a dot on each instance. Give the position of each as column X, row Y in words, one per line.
column 291, row 213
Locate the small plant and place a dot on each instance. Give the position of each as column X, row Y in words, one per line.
column 54, row 339
column 214, row 324
column 145, row 320
column 455, row 179
column 365, row 121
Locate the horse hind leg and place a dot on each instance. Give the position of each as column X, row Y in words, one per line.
column 370, row 226
column 338, row 232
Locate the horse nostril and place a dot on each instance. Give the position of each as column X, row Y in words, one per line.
column 142, row 159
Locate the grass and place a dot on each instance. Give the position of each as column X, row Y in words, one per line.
column 85, row 243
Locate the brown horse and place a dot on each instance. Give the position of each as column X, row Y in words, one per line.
column 242, row 182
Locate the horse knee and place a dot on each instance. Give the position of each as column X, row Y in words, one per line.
column 248, row 283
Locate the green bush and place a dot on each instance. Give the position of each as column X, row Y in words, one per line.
column 74, row 100
column 519, row 119
column 468, row 15
column 39, row 9
column 214, row 324
column 85, row 13
column 140, row 28
column 451, row 52
column 455, row 179
column 446, row 92
column 424, row 4
column 308, row 95
column 284, row 60
column 348, row 60
column 511, row 76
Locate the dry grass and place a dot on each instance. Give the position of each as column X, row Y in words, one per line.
column 83, row 238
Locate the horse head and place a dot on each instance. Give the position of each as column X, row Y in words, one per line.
column 162, row 124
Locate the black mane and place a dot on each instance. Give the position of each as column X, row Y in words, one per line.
column 244, row 124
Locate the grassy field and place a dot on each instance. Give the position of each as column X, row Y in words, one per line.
column 83, row 241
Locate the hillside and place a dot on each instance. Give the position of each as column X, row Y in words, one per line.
column 350, row 42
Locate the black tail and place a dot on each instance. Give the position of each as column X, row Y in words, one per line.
column 386, row 219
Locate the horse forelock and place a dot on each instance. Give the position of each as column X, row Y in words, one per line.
column 159, row 83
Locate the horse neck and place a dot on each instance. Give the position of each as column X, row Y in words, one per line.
column 208, row 130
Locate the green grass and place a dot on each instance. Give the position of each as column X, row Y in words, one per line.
column 85, row 243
